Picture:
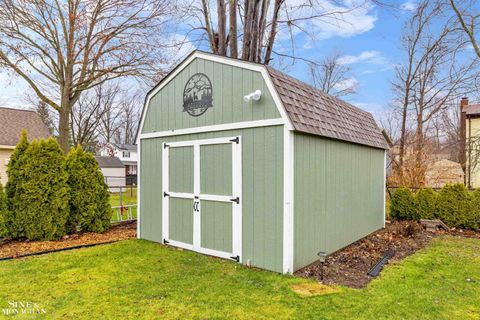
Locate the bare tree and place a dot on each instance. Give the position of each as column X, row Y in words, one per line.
column 468, row 20
column 406, row 72
column 109, row 124
column 63, row 48
column 88, row 113
column 129, row 110
column 330, row 76
column 248, row 29
column 434, row 75
column 43, row 112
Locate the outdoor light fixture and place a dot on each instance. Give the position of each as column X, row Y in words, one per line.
column 256, row 95
column 322, row 257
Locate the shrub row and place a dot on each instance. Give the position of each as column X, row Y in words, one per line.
column 453, row 204
column 49, row 195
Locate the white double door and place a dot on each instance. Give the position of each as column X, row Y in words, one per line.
column 202, row 201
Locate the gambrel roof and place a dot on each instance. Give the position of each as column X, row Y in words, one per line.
column 313, row 111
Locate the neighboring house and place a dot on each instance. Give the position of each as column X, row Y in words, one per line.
column 127, row 153
column 12, row 122
column 439, row 163
column 243, row 162
column 113, row 170
column 470, row 132
column 442, row 172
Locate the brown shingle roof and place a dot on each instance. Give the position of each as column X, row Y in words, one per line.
column 13, row 121
column 109, row 162
column 472, row 109
column 312, row 111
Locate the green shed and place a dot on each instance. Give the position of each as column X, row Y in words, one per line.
column 240, row 161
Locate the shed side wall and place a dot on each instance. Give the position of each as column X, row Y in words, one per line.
column 338, row 190
column 262, row 164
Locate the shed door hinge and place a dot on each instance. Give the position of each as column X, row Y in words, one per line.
column 165, row 241
column 237, row 200
column 236, row 140
column 165, row 146
column 236, row 258
column 166, row 194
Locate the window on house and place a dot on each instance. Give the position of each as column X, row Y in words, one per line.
column 126, row 154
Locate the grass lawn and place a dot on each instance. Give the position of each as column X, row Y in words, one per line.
column 137, row 279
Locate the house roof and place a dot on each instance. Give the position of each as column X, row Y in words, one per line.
column 128, row 147
column 109, row 162
column 13, row 121
column 307, row 108
column 472, row 109
column 313, row 111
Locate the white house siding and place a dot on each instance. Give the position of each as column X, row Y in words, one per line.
column 4, row 158
column 114, row 177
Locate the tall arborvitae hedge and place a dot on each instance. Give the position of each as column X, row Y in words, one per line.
column 402, row 206
column 90, row 208
column 426, row 204
column 453, row 206
column 475, row 210
column 14, row 173
column 40, row 201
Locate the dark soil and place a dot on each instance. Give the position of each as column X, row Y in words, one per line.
column 350, row 265
column 121, row 231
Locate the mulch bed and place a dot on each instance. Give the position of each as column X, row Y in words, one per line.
column 349, row 266
column 118, row 232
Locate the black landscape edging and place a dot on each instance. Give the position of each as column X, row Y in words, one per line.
column 56, row 250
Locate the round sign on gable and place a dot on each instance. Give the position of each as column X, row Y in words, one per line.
column 197, row 95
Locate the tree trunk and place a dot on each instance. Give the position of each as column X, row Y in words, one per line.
column 222, row 49
column 247, row 35
column 403, row 132
column 273, row 32
column 233, row 29
column 64, row 126
column 419, row 142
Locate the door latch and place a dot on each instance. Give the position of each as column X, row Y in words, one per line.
column 196, row 206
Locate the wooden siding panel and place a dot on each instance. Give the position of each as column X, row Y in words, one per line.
column 262, row 164
column 338, row 190
column 216, row 230
column 151, row 186
column 229, row 84
column 216, row 169
column 181, row 220
column 181, row 169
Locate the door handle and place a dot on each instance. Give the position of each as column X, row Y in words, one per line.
column 195, row 206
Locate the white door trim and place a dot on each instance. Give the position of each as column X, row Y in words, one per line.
column 138, row 192
column 236, row 193
column 166, row 200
